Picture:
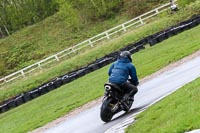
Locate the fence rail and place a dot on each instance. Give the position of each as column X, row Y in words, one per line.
column 138, row 21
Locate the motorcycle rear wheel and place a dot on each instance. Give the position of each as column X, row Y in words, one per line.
column 106, row 110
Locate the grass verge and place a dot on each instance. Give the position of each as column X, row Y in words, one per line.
column 58, row 102
column 82, row 59
column 178, row 113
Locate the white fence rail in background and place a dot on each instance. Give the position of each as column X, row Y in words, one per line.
column 138, row 21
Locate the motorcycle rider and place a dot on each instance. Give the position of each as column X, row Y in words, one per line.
column 119, row 73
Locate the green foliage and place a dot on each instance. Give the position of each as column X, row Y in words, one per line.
column 17, row 14
column 69, row 15
column 19, row 53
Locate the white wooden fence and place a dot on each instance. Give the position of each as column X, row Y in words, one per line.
column 135, row 22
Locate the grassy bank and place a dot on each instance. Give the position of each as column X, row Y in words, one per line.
column 82, row 59
column 177, row 113
column 68, row 97
column 71, row 22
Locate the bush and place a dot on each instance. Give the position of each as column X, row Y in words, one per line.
column 16, row 14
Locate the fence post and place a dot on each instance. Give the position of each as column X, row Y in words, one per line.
column 124, row 28
column 56, row 57
column 141, row 20
column 22, row 72
column 39, row 65
column 157, row 11
column 90, row 42
column 107, row 35
column 72, row 48
column 4, row 80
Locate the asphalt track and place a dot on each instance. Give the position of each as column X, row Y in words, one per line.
column 150, row 91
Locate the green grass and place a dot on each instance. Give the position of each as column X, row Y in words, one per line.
column 46, row 38
column 61, row 101
column 177, row 113
column 74, row 22
column 106, row 47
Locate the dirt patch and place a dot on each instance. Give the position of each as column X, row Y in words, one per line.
column 98, row 101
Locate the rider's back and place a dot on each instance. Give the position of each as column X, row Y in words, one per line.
column 120, row 71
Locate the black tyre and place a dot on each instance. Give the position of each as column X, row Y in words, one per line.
column 106, row 110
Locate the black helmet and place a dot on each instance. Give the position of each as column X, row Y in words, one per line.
column 125, row 54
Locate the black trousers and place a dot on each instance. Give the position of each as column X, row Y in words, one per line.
column 129, row 88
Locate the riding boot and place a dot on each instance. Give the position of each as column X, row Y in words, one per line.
column 125, row 106
column 132, row 94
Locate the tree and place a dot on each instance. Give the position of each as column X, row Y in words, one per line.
column 16, row 14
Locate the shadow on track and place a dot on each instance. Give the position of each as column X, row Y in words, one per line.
column 130, row 112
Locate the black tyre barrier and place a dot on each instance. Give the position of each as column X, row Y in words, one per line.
column 57, row 82
column 19, row 100
column 43, row 89
column 141, row 42
column 73, row 76
column 114, row 55
column 140, row 47
column 161, row 37
column 169, row 33
column 109, row 60
column 153, row 42
column 11, row 104
column 104, row 62
column 50, row 86
column 126, row 48
column 35, row 93
column 132, row 47
column 198, row 21
column 80, row 73
column 186, row 26
column 4, row 108
column 148, row 38
column 65, row 79
column 144, row 41
column 133, row 50
column 176, row 30
column 86, row 70
column 193, row 24
column 27, row 97
column 94, row 67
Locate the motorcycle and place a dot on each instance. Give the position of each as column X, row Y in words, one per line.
column 114, row 101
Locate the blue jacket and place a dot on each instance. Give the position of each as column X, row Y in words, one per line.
column 120, row 71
